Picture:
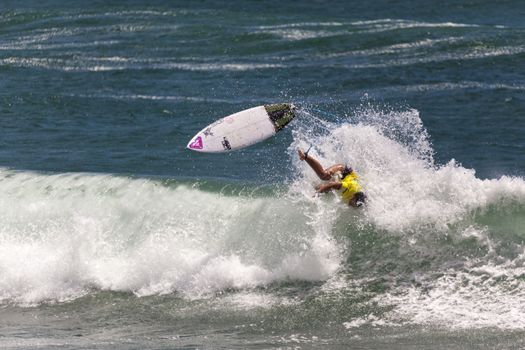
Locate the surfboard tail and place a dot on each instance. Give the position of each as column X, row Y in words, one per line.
column 280, row 114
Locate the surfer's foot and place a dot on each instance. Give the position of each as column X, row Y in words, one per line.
column 302, row 156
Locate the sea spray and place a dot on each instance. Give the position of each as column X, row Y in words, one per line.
column 433, row 236
column 393, row 155
column 428, row 235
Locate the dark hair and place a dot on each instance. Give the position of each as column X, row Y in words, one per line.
column 360, row 198
column 347, row 170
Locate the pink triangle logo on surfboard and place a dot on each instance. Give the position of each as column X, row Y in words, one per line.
column 196, row 144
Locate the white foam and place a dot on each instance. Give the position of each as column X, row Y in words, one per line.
column 310, row 30
column 412, row 198
column 62, row 235
column 249, row 300
column 383, row 25
column 216, row 66
column 293, row 34
column 479, row 297
column 467, row 54
column 369, row 320
column 458, row 86
column 407, row 191
column 301, row 24
column 90, row 65
column 401, row 48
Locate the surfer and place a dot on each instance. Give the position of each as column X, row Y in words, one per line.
column 339, row 177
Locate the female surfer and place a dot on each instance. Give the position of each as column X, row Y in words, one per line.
column 339, row 177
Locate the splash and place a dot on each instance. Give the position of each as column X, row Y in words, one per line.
column 446, row 246
column 392, row 152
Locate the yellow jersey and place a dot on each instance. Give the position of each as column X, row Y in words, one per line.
column 350, row 186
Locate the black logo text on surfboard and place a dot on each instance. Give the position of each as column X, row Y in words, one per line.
column 226, row 144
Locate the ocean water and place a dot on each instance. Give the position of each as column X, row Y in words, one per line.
column 114, row 236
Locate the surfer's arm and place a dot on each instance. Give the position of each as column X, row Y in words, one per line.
column 325, row 187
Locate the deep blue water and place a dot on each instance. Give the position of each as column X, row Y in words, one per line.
column 104, row 209
column 121, row 88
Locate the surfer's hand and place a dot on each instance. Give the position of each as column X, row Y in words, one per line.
column 301, row 154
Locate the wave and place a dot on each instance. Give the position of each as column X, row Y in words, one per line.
column 311, row 30
column 393, row 152
column 468, row 54
column 63, row 46
column 397, row 48
column 462, row 85
column 446, row 246
column 404, row 90
column 63, row 235
column 383, row 25
column 111, row 64
column 431, row 235
column 114, row 63
column 156, row 98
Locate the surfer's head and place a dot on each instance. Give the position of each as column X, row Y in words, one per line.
column 346, row 171
column 358, row 200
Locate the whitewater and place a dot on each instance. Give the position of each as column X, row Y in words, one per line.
column 114, row 236
column 446, row 246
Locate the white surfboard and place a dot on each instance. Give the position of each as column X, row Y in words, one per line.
column 243, row 129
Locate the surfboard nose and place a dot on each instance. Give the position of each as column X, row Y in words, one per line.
column 196, row 144
column 280, row 114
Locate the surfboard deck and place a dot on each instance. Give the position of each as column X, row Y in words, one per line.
column 242, row 129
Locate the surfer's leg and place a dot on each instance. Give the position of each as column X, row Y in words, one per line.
column 324, row 174
column 335, row 168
